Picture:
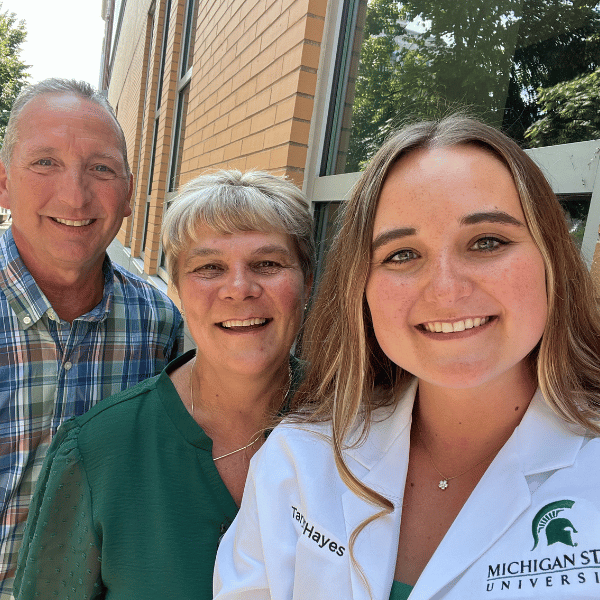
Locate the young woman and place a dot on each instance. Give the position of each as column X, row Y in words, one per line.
column 447, row 447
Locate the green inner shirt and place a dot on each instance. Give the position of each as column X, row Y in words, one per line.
column 400, row 591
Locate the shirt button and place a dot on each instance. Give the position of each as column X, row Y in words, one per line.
column 26, row 320
column 68, row 366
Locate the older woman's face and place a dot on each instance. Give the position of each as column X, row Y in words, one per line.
column 457, row 286
column 243, row 295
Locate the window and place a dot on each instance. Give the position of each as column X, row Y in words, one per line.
column 531, row 67
column 183, row 94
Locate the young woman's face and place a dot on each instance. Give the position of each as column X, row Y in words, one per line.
column 457, row 286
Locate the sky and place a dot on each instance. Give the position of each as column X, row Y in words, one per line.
column 64, row 37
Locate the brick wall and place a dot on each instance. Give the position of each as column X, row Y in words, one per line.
column 250, row 100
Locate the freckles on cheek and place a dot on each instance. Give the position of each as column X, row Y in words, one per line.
column 388, row 302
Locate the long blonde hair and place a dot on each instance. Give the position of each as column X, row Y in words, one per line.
column 348, row 375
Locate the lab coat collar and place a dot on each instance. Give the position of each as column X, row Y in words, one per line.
column 540, row 444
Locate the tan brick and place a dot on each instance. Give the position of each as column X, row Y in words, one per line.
column 279, row 156
column 263, row 120
column 285, row 109
column 232, row 151
column 256, row 9
column 253, row 143
column 296, row 176
column 246, row 91
column 263, row 60
column 248, row 46
column 241, row 130
column 297, row 156
column 237, row 163
column 310, row 55
column 223, row 138
column 278, row 134
column 273, row 12
column 284, row 88
column 221, row 124
column 292, row 59
column 297, row 10
column 317, row 7
column 259, row 102
column 259, row 160
column 300, row 131
column 290, row 37
column 272, row 73
column 216, row 156
column 227, row 104
column 307, row 82
column 241, row 77
column 314, row 29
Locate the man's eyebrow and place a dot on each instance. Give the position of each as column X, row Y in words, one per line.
column 392, row 234
column 495, row 216
column 40, row 150
column 118, row 157
column 44, row 150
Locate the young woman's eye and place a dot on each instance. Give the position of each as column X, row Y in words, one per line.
column 402, row 256
column 488, row 244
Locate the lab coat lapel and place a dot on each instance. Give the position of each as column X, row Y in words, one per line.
column 385, row 455
column 541, row 444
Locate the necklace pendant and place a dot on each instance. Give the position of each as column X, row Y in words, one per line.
column 443, row 484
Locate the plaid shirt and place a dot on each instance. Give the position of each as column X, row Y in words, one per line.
column 51, row 370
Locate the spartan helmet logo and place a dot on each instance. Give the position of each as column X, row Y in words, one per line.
column 558, row 529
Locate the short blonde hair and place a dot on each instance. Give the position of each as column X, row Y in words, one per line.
column 230, row 201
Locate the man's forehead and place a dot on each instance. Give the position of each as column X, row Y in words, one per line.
column 65, row 115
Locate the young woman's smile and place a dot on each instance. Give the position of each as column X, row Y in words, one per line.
column 457, row 287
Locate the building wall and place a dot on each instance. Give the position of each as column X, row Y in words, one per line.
column 250, row 102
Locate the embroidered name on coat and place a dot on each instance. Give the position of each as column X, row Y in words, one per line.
column 319, row 538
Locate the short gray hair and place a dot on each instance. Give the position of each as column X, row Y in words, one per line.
column 231, row 201
column 55, row 85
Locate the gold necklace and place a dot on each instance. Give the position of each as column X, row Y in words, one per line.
column 254, row 439
column 443, row 484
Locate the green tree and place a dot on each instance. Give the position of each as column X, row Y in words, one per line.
column 498, row 59
column 374, row 97
column 571, row 112
column 13, row 72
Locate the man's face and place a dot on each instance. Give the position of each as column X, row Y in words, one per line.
column 67, row 186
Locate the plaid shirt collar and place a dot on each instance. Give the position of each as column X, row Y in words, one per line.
column 26, row 298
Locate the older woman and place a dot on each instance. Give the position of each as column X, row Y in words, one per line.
column 135, row 495
column 451, row 448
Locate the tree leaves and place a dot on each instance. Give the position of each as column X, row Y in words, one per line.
column 13, row 72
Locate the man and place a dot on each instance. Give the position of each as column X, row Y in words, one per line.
column 74, row 328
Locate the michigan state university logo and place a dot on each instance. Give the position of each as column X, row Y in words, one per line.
column 564, row 561
column 551, row 521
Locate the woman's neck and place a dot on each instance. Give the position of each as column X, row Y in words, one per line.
column 461, row 425
column 226, row 402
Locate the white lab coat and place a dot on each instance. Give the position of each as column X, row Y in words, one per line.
column 291, row 537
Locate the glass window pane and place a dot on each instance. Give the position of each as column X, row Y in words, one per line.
column 531, row 67
column 189, row 38
column 179, row 137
